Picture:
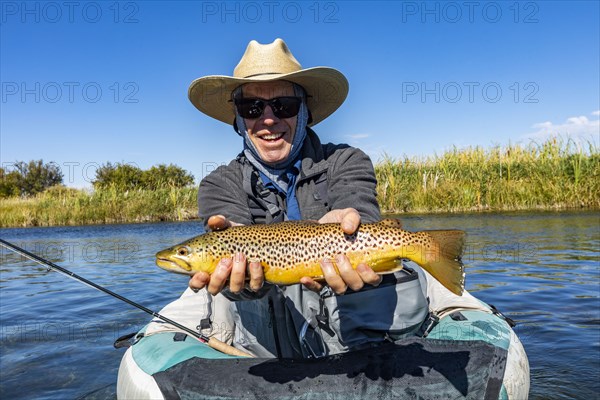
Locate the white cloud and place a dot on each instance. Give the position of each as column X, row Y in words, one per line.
column 373, row 149
column 580, row 126
column 359, row 136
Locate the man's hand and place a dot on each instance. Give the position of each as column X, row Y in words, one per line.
column 232, row 271
column 344, row 276
column 219, row 222
column 347, row 277
column 348, row 218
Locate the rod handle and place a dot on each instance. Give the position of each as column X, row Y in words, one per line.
column 227, row 349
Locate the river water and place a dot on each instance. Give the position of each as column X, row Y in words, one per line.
column 56, row 335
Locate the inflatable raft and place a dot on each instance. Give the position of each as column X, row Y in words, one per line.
column 466, row 349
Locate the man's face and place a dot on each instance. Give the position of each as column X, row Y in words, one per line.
column 272, row 136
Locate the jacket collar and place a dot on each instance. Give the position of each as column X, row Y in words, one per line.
column 313, row 158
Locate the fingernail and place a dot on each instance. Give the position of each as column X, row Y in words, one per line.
column 255, row 266
column 226, row 264
column 195, row 290
column 349, row 227
column 339, row 258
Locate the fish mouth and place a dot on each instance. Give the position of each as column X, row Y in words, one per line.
column 172, row 266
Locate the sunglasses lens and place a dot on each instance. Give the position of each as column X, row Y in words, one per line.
column 283, row 107
column 250, row 108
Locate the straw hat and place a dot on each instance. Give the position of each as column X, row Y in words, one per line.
column 326, row 87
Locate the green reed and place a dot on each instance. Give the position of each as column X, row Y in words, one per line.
column 555, row 174
column 66, row 206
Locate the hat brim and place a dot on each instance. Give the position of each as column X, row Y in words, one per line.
column 326, row 88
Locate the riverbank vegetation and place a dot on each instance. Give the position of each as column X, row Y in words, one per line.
column 121, row 193
column 556, row 174
column 59, row 205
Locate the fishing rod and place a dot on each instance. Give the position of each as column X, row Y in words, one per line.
column 210, row 341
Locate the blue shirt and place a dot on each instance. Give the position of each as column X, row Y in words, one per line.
column 292, row 210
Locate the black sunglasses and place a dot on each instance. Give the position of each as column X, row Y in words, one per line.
column 283, row 107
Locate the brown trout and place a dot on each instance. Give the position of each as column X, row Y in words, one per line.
column 288, row 251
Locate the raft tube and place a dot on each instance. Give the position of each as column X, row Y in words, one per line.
column 470, row 351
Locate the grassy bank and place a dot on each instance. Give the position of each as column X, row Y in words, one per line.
column 66, row 206
column 554, row 174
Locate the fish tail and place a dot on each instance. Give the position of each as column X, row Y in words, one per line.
column 444, row 261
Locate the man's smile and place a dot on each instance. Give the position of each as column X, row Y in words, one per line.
column 271, row 137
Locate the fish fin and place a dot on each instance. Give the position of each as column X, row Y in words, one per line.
column 386, row 266
column 444, row 262
column 391, row 271
column 391, row 222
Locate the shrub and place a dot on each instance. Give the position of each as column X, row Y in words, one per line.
column 166, row 176
column 119, row 176
column 30, row 178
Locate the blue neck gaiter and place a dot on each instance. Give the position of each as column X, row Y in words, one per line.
column 275, row 172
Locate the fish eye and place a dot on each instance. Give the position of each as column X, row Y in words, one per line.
column 183, row 251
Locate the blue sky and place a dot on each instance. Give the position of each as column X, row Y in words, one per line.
column 84, row 83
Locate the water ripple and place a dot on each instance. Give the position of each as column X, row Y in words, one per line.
column 541, row 269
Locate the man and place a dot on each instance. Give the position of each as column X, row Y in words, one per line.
column 283, row 173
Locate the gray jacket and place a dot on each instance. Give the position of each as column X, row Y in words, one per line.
column 348, row 172
column 293, row 321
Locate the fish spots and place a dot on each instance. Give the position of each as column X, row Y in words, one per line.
column 290, row 250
